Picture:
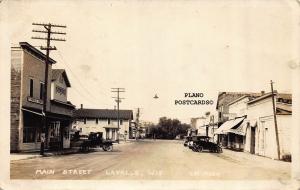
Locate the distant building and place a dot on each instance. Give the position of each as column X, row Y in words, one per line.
column 144, row 125
column 27, row 86
column 105, row 121
column 232, row 132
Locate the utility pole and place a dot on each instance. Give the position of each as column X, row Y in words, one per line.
column 137, row 120
column 275, row 120
column 118, row 100
column 48, row 31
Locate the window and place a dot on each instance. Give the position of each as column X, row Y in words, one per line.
column 107, row 133
column 55, row 129
column 108, row 121
column 84, row 120
column 31, row 87
column 29, row 134
column 113, row 134
column 121, row 122
column 96, row 120
column 41, row 90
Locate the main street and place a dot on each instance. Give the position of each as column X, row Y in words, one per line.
column 149, row 159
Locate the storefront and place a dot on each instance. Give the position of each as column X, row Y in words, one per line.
column 111, row 133
column 231, row 134
column 32, row 121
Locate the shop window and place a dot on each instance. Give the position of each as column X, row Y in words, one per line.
column 31, row 87
column 29, row 134
column 41, row 90
column 38, row 134
column 66, row 133
column 55, row 129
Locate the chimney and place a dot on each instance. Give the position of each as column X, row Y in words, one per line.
column 81, row 106
column 262, row 92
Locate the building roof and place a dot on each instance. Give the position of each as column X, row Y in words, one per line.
column 56, row 73
column 284, row 107
column 103, row 113
column 249, row 96
column 233, row 95
column 280, row 97
column 35, row 51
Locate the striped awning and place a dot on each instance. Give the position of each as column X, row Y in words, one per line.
column 229, row 125
column 240, row 130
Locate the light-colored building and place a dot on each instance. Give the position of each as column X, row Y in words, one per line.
column 261, row 133
column 233, row 136
column 104, row 121
column 61, row 110
column 250, row 126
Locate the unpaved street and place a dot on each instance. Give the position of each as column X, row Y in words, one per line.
column 148, row 159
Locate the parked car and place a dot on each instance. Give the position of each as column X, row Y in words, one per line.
column 93, row 140
column 186, row 140
column 201, row 143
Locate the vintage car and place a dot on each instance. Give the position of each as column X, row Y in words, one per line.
column 201, row 143
column 186, row 140
column 93, row 140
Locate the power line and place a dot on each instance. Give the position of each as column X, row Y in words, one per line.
column 92, row 97
column 75, row 74
column 48, row 30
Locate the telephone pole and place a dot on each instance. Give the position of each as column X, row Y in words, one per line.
column 118, row 100
column 48, row 31
column 137, row 120
column 275, row 120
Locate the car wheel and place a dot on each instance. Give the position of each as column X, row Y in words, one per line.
column 200, row 149
column 107, row 147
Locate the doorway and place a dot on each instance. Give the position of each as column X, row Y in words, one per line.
column 252, row 141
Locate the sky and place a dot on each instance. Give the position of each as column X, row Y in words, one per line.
column 167, row 48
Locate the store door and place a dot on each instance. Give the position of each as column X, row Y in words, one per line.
column 252, row 141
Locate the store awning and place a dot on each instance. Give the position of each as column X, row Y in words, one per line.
column 31, row 111
column 228, row 125
column 240, row 130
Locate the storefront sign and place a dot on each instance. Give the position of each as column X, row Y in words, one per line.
column 34, row 100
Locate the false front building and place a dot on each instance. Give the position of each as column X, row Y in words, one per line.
column 27, row 86
column 105, row 121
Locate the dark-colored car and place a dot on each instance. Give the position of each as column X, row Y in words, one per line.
column 93, row 140
column 201, row 143
column 187, row 139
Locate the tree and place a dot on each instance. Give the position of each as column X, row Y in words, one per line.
column 168, row 128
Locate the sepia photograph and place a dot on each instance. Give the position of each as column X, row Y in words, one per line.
column 150, row 94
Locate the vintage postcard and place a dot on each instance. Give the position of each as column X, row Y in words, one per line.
column 150, row 94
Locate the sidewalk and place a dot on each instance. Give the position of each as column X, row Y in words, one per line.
column 36, row 154
column 74, row 150
column 254, row 159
